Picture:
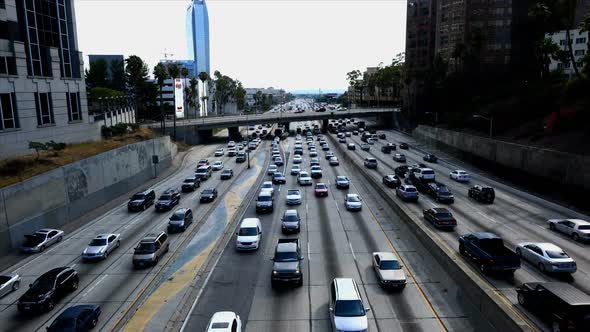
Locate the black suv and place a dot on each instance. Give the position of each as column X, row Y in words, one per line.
column 208, row 195
column 392, row 181
column 168, row 199
column 401, row 171
column 440, row 192
column 190, row 184
column 430, row 158
column 482, row 194
column 142, row 200
column 180, row 220
column 48, row 289
column 563, row 306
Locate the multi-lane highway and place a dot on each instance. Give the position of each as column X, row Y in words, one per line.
column 515, row 215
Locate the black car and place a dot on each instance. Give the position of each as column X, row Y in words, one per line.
column 279, row 178
column 180, row 220
column 401, row 171
column 392, row 181
column 440, row 217
column 241, row 157
column 76, row 319
column 561, row 305
column 430, row 158
column 371, row 163
column 168, row 199
column 382, row 136
column 141, row 200
column 351, row 146
column 48, row 289
column 208, row 195
column 227, row 174
column 190, row 184
column 482, row 194
column 388, row 148
column 440, row 193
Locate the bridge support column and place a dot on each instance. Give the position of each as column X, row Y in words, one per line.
column 234, row 133
column 204, row 135
column 386, row 120
column 325, row 124
column 287, row 127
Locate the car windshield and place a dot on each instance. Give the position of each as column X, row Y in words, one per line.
column 98, row 243
column 267, row 186
column 248, row 231
column 354, row 199
column 145, row 248
column 557, row 254
column 207, row 192
column 222, row 325
column 43, row 285
column 349, row 308
column 165, row 197
column 291, row 218
column 321, row 186
column 584, row 227
column 264, row 198
column 138, row 197
column 342, row 178
column 429, row 172
column 389, row 265
column 63, row 324
column 33, row 240
column 226, row 171
column 286, row 256
column 410, row 190
column 444, row 215
column 443, row 189
column 177, row 216
column 189, row 180
column 217, row 163
column 292, row 192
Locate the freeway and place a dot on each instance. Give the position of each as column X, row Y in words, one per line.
column 114, row 283
column 335, row 243
column 515, row 215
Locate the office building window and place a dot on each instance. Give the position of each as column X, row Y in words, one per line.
column 580, row 40
column 2, row 4
column 579, row 52
column 562, row 42
column 8, row 65
column 74, row 108
column 8, row 113
column 44, row 109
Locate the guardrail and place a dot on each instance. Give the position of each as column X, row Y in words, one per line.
column 500, row 313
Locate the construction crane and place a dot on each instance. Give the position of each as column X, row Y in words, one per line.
column 166, row 55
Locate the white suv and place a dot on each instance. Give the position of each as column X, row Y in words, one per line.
column 347, row 310
column 425, row 174
column 249, row 234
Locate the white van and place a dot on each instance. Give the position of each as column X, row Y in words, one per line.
column 249, row 234
column 347, row 310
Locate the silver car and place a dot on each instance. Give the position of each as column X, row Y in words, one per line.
column 546, row 257
column 101, row 246
column 9, row 283
column 41, row 239
column 578, row 229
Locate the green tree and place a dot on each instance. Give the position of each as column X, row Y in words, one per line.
column 585, row 27
column 117, row 75
column 192, row 94
column 257, row 99
column 96, row 75
column 225, row 88
column 136, row 75
column 204, row 78
column 161, row 74
column 173, row 70
column 240, row 96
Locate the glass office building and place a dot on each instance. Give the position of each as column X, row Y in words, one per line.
column 197, row 35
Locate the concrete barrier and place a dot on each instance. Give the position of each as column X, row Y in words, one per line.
column 59, row 196
column 555, row 166
column 499, row 312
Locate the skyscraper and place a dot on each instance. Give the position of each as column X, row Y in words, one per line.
column 197, row 35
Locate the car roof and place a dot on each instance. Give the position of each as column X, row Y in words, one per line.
column 546, row 246
column 351, row 195
column 485, row 235
column 222, row 316
column 54, row 272
column 291, row 212
column 250, row 222
column 440, row 210
column 389, row 256
column 267, row 183
column 286, row 247
column 45, row 230
column 151, row 237
column 578, row 221
column 566, row 292
column 346, row 289
column 103, row 236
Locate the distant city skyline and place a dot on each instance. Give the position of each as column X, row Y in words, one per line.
column 293, row 45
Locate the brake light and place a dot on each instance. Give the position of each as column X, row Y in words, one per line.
column 491, row 260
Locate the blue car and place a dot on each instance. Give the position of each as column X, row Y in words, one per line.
column 77, row 318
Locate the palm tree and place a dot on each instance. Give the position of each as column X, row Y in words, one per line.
column 184, row 72
column 567, row 13
column 204, row 77
column 161, row 74
column 174, row 72
column 192, row 94
column 584, row 27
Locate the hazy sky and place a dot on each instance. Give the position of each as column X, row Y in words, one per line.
column 291, row 44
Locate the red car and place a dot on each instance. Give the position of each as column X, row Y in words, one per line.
column 321, row 189
column 440, row 217
column 404, row 146
column 203, row 162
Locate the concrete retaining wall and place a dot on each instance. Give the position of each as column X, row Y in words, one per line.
column 57, row 197
column 559, row 167
column 496, row 310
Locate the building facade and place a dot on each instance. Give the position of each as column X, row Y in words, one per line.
column 579, row 46
column 42, row 88
column 278, row 95
column 197, row 35
column 420, row 35
column 109, row 59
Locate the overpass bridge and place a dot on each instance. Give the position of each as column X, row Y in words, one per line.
column 190, row 130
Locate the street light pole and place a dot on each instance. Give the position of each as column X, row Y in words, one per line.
column 248, row 140
column 490, row 119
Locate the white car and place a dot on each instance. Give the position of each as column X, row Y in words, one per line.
column 225, row 321
column 41, row 239
column 578, row 229
column 547, row 257
column 459, row 175
column 293, row 197
column 353, row 202
column 272, row 169
column 9, row 283
column 295, row 169
column 297, row 159
column 267, row 186
column 425, row 174
column 219, row 152
column 217, row 165
column 304, row 179
column 389, row 271
column 101, row 246
column 313, row 153
column 249, row 234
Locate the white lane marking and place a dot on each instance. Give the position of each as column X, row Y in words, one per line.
column 336, row 203
column 280, row 187
column 306, row 208
column 351, row 250
column 487, row 217
column 73, row 265
column 308, row 252
column 95, row 284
